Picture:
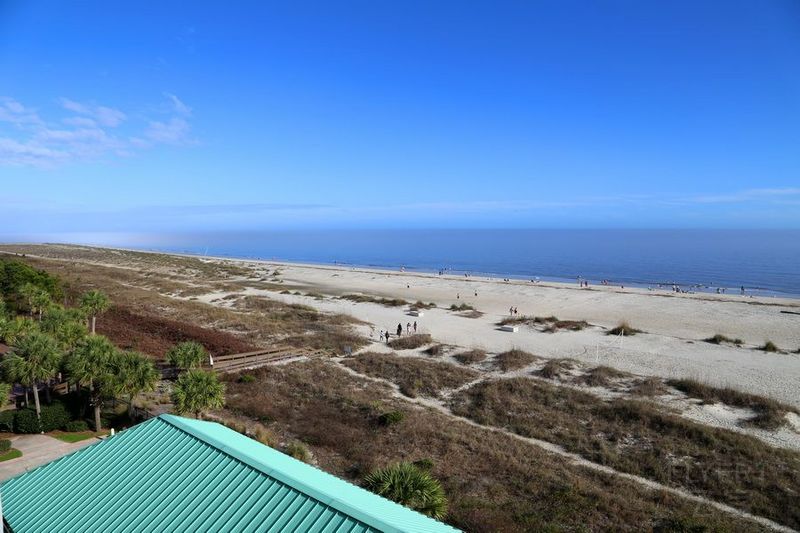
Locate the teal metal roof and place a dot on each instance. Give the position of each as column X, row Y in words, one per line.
column 178, row 474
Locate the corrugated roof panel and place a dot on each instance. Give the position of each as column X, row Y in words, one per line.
column 177, row 474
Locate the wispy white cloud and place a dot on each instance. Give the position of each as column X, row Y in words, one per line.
column 174, row 131
column 745, row 196
column 178, row 105
column 91, row 131
column 105, row 116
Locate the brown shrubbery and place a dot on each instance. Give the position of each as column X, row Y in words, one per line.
column 513, row 360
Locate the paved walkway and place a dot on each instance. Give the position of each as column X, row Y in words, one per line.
column 36, row 451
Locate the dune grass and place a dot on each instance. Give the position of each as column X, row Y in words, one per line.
column 639, row 438
column 623, row 329
column 411, row 342
column 770, row 414
column 362, row 298
column 513, row 360
column 470, row 357
column 722, row 339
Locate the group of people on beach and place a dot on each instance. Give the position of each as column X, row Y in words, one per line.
column 386, row 336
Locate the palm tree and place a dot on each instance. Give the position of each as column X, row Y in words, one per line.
column 197, row 391
column 89, row 364
column 134, row 373
column 14, row 330
column 411, row 486
column 5, row 392
column 41, row 300
column 187, row 355
column 36, row 358
column 29, row 292
column 94, row 303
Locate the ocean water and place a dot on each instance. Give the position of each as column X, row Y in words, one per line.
column 765, row 262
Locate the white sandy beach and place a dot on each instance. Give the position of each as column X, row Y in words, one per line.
column 674, row 326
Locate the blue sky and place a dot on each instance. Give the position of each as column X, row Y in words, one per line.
column 158, row 116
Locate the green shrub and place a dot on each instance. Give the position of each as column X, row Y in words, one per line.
column 5, row 445
column 54, row 416
column 76, row 426
column 247, row 378
column 25, row 421
column 391, row 418
column 770, row 346
column 299, row 451
column 424, row 464
column 7, row 421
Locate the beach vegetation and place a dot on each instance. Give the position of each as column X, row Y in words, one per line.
column 623, row 329
column 34, row 359
column 513, row 360
column 639, row 438
column 186, row 355
column 365, row 298
column 435, row 350
column 411, row 342
column 769, row 414
column 413, row 376
column 197, row 391
column 94, row 303
column 411, row 486
column 461, row 307
column 723, row 339
column 770, row 347
column 299, row 451
column 470, row 357
column 601, row 376
column 391, row 418
column 422, row 305
column 649, row 387
column 556, row 368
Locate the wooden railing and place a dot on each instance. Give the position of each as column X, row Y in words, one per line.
column 240, row 361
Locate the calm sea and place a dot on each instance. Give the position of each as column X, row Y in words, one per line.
column 765, row 262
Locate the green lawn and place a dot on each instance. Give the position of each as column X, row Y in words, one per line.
column 74, row 437
column 13, row 453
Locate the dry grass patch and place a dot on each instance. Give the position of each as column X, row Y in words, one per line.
column 722, row 339
column 388, row 302
column 411, row 342
column 770, row 414
column 649, row 387
column 637, row 438
column 493, row 482
column 470, row 357
column 601, row 376
column 413, row 376
column 556, row 368
column 623, row 329
column 513, row 360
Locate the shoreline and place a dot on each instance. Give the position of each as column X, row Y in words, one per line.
column 771, row 299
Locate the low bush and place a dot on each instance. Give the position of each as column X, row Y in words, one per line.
column 722, row 339
column 54, row 416
column 470, row 357
column 770, row 346
column 624, row 329
column 411, row 342
column 76, row 426
column 5, row 445
column 513, row 360
column 246, row 378
column 600, row 376
column 361, row 298
column 435, row 350
column 555, row 368
column 462, row 307
column 7, row 421
column 391, row 418
column 299, row 451
column 422, row 305
column 569, row 325
column 25, row 421
column 649, row 387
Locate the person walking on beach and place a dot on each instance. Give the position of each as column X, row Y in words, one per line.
column 399, row 330
column 415, row 326
column 387, row 337
column 511, row 311
column 408, row 328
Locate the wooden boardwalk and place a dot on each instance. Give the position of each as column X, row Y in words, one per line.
column 247, row 360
